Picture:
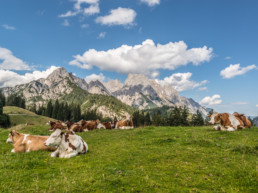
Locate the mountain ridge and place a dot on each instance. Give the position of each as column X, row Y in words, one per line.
column 138, row 91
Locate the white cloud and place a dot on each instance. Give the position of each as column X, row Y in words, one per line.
column 240, row 103
column 145, row 58
column 91, row 77
column 256, row 105
column 66, row 23
column 9, row 78
column 119, row 16
column 181, row 81
column 202, row 88
column 235, row 70
column 93, row 9
column 78, row 9
column 68, row 14
column 228, row 58
column 102, row 35
column 9, row 62
column 8, row 27
column 214, row 100
column 151, row 2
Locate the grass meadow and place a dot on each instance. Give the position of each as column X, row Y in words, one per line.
column 150, row 159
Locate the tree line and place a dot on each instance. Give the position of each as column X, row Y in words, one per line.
column 177, row 116
column 63, row 111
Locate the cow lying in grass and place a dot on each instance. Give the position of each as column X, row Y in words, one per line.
column 226, row 122
column 26, row 143
column 127, row 123
column 68, row 144
column 246, row 122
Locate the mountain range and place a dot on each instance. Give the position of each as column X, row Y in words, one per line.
column 112, row 98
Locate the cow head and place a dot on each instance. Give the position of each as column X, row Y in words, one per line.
column 212, row 117
column 129, row 120
column 11, row 136
column 54, row 139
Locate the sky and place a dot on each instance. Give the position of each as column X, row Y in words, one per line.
column 205, row 49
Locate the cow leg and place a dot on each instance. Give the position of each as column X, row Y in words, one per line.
column 55, row 153
column 216, row 127
column 70, row 155
column 230, row 129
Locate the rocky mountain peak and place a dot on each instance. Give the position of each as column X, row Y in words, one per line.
column 136, row 79
column 113, row 85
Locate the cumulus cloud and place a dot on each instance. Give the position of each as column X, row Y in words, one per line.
column 181, row 81
column 214, row 100
column 10, row 62
column 84, row 25
column 235, row 70
column 91, row 77
column 102, row 35
column 151, row 2
column 8, row 27
column 228, row 58
column 79, row 9
column 119, row 16
column 256, row 105
column 145, row 58
column 9, row 78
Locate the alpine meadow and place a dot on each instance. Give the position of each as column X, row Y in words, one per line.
column 128, row 96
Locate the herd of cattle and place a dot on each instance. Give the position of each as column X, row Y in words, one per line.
column 65, row 143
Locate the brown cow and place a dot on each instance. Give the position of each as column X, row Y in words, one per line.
column 127, row 123
column 26, row 143
column 91, row 125
column 246, row 122
column 107, row 125
column 226, row 122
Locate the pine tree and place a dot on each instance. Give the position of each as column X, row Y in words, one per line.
column 197, row 119
column 60, row 113
column 55, row 109
column 184, row 116
column 49, row 110
column 147, row 119
column 136, row 119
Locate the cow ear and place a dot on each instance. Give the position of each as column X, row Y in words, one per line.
column 61, row 133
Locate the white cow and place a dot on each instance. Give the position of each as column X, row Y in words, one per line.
column 68, row 144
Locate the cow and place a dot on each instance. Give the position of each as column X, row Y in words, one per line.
column 27, row 143
column 57, row 125
column 226, row 122
column 107, row 125
column 91, row 125
column 68, row 144
column 127, row 123
column 247, row 123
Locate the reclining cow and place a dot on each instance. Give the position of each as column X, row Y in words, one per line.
column 68, row 144
column 127, row 123
column 26, row 143
column 107, row 125
column 226, row 122
column 246, row 122
column 57, row 125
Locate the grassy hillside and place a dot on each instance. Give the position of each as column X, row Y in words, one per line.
column 23, row 116
column 163, row 159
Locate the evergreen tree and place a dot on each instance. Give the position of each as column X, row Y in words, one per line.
column 66, row 112
column 136, row 119
column 49, row 109
column 33, row 108
column 55, row 110
column 197, row 119
column 184, row 116
column 60, row 113
column 251, row 121
column 147, row 119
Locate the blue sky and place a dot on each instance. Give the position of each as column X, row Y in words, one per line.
column 206, row 49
